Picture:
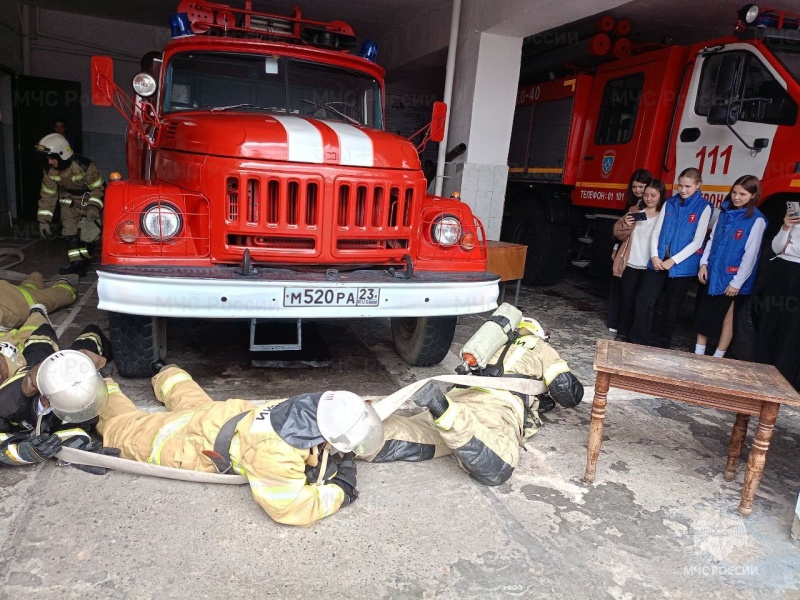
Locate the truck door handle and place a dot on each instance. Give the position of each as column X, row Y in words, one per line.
column 588, row 158
column 690, row 134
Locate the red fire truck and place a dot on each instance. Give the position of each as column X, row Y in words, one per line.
column 262, row 186
column 728, row 107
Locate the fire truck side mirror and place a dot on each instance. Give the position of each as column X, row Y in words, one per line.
column 438, row 121
column 102, row 81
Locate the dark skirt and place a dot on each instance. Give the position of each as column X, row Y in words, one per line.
column 711, row 312
column 778, row 310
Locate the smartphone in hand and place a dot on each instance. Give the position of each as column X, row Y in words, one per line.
column 642, row 216
column 793, row 207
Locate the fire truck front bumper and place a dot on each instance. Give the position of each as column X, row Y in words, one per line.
column 224, row 293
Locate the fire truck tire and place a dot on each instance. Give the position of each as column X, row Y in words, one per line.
column 423, row 341
column 548, row 244
column 134, row 340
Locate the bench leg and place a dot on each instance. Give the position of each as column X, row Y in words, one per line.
column 758, row 454
column 596, row 426
column 738, row 435
column 516, row 293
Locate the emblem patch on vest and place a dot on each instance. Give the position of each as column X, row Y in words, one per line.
column 738, row 235
column 733, row 270
column 693, row 218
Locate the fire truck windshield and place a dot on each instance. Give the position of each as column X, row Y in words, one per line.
column 244, row 82
column 789, row 56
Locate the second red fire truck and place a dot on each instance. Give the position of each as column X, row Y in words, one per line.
column 728, row 107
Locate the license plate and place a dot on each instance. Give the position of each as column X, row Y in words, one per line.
column 303, row 296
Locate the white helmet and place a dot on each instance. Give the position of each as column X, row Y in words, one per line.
column 533, row 326
column 56, row 145
column 349, row 424
column 69, row 380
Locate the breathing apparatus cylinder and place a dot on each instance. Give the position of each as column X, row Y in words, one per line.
column 492, row 335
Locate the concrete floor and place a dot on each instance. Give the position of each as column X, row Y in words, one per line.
column 660, row 521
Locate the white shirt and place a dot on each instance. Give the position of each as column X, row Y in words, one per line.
column 640, row 243
column 787, row 244
column 751, row 247
column 691, row 247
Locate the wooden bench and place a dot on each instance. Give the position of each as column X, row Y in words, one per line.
column 747, row 389
column 508, row 261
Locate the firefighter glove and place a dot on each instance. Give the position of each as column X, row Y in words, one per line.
column 81, row 444
column 92, row 212
column 312, row 473
column 44, row 231
column 39, row 449
column 346, row 478
column 566, row 390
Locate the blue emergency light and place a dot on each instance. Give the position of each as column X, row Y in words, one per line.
column 179, row 25
column 368, row 50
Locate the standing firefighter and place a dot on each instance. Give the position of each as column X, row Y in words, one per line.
column 73, row 182
column 484, row 427
column 285, row 448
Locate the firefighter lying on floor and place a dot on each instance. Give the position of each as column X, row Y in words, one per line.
column 16, row 300
column 41, row 374
column 482, row 427
column 281, row 447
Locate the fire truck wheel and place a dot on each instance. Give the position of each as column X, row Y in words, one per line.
column 134, row 340
column 547, row 242
column 423, row 341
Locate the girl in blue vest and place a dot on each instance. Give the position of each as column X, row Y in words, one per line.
column 676, row 246
column 729, row 263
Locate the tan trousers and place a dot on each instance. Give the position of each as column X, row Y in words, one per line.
column 15, row 300
column 175, row 438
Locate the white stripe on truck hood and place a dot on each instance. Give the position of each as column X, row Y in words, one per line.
column 355, row 146
column 303, row 139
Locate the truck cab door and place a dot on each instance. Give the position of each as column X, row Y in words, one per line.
column 612, row 145
column 734, row 84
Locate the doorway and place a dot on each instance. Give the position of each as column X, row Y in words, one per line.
column 37, row 102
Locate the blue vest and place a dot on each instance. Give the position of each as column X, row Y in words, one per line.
column 677, row 231
column 730, row 236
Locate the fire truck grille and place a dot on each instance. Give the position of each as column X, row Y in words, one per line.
column 272, row 242
column 348, row 244
column 272, row 201
column 365, row 220
column 374, row 206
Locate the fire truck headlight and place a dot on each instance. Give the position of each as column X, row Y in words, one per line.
column 748, row 13
column 162, row 222
column 446, row 230
column 144, row 85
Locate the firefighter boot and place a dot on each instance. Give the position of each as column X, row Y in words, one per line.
column 77, row 263
column 431, row 397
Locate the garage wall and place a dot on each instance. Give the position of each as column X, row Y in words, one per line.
column 61, row 48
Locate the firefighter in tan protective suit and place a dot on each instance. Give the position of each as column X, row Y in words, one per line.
column 36, row 412
column 283, row 447
column 16, row 300
column 73, row 182
column 484, row 427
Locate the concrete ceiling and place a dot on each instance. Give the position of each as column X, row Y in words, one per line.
column 375, row 19
column 686, row 21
